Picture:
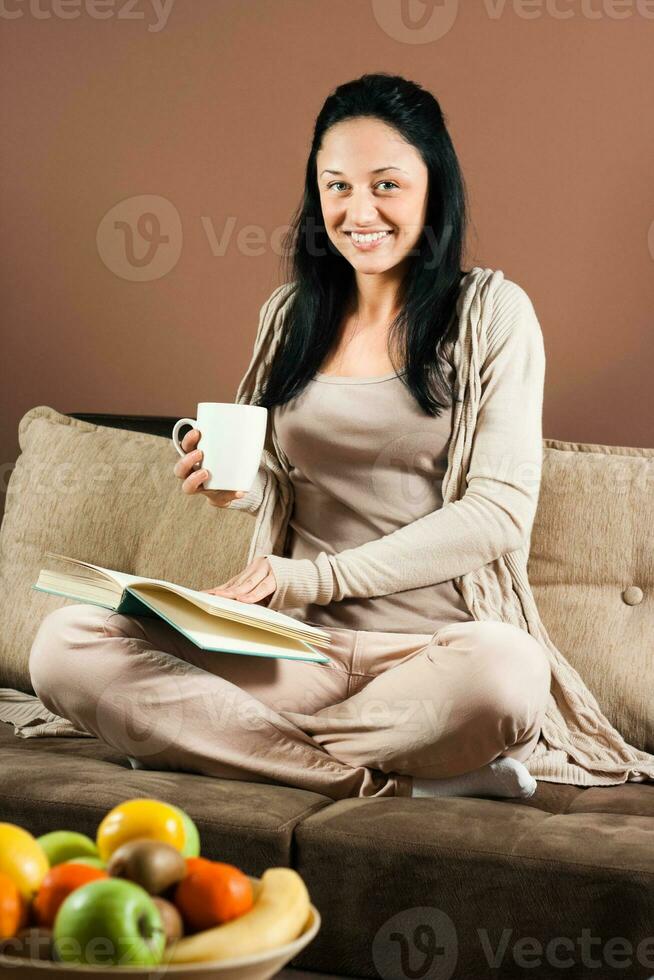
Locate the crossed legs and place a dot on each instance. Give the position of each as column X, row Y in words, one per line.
column 476, row 691
column 450, row 702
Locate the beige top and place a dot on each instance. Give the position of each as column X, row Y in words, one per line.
column 480, row 536
column 365, row 460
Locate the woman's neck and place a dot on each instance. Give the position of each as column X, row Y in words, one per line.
column 374, row 302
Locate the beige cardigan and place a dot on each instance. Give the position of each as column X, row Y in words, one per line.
column 481, row 535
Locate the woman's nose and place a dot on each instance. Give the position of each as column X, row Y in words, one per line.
column 362, row 211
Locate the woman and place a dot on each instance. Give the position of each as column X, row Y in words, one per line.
column 422, row 697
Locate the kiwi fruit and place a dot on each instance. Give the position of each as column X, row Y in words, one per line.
column 171, row 919
column 152, row 864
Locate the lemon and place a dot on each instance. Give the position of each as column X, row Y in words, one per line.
column 140, row 818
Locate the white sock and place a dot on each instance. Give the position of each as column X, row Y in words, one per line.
column 502, row 777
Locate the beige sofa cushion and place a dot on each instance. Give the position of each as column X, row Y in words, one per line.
column 591, row 568
column 108, row 496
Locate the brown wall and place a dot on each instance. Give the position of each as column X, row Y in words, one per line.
column 549, row 107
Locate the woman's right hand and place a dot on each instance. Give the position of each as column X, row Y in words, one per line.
column 193, row 478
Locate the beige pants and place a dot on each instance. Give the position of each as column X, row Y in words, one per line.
column 390, row 706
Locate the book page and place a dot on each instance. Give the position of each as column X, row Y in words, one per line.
column 224, row 635
column 123, row 579
column 252, row 611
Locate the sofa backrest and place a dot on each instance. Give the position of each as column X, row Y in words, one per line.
column 101, row 488
column 108, row 496
column 591, row 569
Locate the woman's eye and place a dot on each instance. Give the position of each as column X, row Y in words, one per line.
column 341, row 183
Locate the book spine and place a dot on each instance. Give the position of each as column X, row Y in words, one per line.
column 131, row 605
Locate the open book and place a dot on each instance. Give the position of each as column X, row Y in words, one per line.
column 212, row 622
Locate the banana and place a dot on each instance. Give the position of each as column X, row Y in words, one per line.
column 278, row 915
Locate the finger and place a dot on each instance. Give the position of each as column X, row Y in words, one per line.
column 249, row 582
column 219, row 498
column 190, row 440
column 231, row 591
column 234, row 589
column 239, row 575
column 265, row 588
column 222, row 586
column 256, row 570
column 195, row 480
column 185, row 465
column 252, row 574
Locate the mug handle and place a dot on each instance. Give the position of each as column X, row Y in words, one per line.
column 175, row 437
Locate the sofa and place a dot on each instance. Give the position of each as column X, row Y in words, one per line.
column 560, row 884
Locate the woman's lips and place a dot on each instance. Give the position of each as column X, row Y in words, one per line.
column 369, row 246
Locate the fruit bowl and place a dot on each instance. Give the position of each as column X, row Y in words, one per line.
column 259, row 966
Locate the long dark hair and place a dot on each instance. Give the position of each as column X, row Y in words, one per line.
column 324, row 279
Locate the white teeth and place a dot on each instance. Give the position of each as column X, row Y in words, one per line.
column 369, row 238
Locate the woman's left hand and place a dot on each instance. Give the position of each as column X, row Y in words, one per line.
column 256, row 583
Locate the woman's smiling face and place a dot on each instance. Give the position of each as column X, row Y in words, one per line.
column 371, row 180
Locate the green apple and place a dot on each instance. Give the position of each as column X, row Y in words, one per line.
column 191, row 847
column 61, row 845
column 109, row 922
column 93, row 862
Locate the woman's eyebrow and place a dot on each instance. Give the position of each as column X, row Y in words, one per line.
column 378, row 170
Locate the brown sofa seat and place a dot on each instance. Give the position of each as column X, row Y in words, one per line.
column 567, row 860
column 70, row 784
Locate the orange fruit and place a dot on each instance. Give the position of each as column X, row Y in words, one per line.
column 13, row 908
column 212, row 893
column 193, row 863
column 57, row 885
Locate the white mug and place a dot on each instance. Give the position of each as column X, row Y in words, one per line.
column 232, row 437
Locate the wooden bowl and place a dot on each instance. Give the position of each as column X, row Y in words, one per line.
column 260, row 966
